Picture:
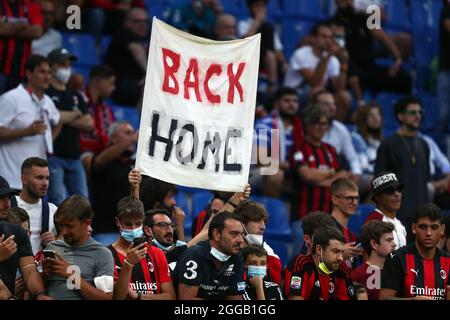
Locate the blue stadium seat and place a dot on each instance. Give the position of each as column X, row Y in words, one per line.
column 398, row 17
column 106, row 238
column 238, row 8
column 274, row 10
column 425, row 13
column 199, row 201
column 305, row 9
column 104, row 44
column 190, row 190
column 293, row 30
column 281, row 249
column 429, row 103
column 125, row 113
column 425, row 46
column 387, row 101
column 83, row 46
column 278, row 227
column 356, row 221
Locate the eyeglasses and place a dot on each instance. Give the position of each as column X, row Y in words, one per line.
column 165, row 225
column 349, row 198
column 413, row 112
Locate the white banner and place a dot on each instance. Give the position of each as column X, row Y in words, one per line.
column 199, row 104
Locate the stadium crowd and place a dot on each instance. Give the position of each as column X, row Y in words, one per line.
column 67, row 174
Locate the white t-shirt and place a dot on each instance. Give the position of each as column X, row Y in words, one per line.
column 35, row 213
column 50, row 40
column 304, row 58
column 399, row 230
column 19, row 110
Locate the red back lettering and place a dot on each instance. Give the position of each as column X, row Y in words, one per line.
column 169, row 71
column 213, row 69
column 192, row 69
column 233, row 80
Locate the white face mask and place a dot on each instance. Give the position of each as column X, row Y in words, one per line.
column 222, row 257
column 254, row 239
column 63, row 74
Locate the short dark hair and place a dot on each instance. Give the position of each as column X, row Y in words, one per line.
column 252, row 2
column 153, row 191
column 33, row 162
column 131, row 207
column 374, row 229
column 253, row 249
column 250, row 210
column 218, row 222
column 285, row 91
column 402, row 104
column 343, row 184
column 428, row 210
column 324, row 235
column 315, row 29
column 312, row 114
column 315, row 97
column 101, row 71
column 150, row 214
column 34, row 61
column 74, row 207
column 17, row 215
column 223, row 195
column 315, row 220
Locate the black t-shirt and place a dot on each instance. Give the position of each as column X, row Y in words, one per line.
column 119, row 57
column 109, row 185
column 271, row 291
column 444, row 53
column 8, row 268
column 175, row 254
column 67, row 144
column 196, row 268
column 358, row 39
column 408, row 158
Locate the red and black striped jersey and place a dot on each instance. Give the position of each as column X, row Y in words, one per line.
column 15, row 51
column 310, row 197
column 411, row 275
column 200, row 221
column 148, row 275
column 302, row 278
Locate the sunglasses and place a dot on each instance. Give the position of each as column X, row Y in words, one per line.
column 413, row 112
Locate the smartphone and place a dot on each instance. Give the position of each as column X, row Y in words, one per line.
column 138, row 241
column 358, row 245
column 49, row 254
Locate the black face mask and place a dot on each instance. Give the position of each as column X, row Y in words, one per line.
column 346, row 11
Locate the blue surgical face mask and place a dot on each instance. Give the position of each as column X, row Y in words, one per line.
column 256, row 271
column 222, row 257
column 161, row 246
column 130, row 234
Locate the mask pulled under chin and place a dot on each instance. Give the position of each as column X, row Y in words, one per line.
column 324, row 268
column 257, row 271
column 222, row 257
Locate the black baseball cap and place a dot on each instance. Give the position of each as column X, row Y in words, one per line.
column 385, row 180
column 5, row 189
column 59, row 55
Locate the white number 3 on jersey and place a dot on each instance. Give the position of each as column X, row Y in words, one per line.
column 190, row 273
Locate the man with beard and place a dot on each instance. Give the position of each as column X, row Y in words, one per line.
column 77, row 252
column 420, row 270
column 407, row 155
column 323, row 275
column 290, row 133
column 338, row 135
column 109, row 172
column 35, row 181
column 387, row 195
column 213, row 269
